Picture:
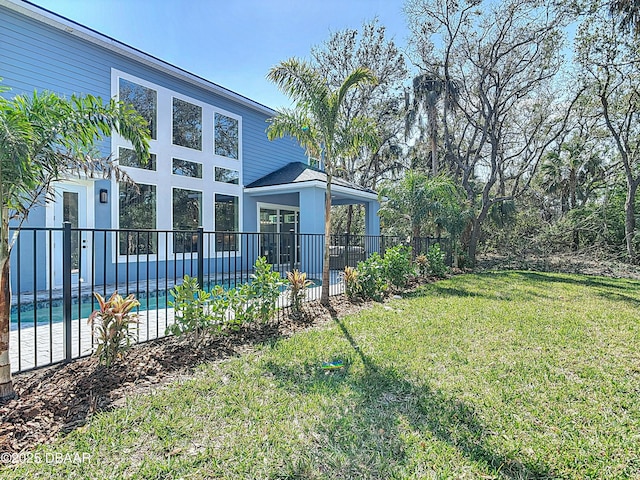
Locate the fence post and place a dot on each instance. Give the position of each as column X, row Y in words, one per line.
column 292, row 250
column 66, row 288
column 346, row 250
column 201, row 257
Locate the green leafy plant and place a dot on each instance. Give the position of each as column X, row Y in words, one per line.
column 351, row 283
column 264, row 292
column 397, row 265
column 191, row 309
column 297, row 288
column 435, row 257
column 422, row 262
column 238, row 302
column 256, row 300
column 110, row 325
column 372, row 278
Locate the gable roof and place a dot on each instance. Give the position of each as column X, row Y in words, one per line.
column 71, row 27
column 298, row 172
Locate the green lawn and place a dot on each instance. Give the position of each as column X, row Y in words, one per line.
column 493, row 375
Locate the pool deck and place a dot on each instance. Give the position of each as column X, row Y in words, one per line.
column 42, row 345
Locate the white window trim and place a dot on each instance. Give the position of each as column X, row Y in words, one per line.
column 163, row 177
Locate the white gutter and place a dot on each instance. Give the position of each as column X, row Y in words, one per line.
column 296, row 186
column 69, row 26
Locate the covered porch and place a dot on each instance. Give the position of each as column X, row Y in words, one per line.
column 291, row 201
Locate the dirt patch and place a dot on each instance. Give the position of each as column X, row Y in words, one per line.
column 63, row 397
column 583, row 263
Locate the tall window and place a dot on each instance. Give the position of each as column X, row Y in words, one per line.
column 226, row 136
column 137, row 211
column 187, row 124
column 187, row 215
column 226, row 212
column 144, row 100
column 129, row 158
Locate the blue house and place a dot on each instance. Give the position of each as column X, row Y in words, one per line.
column 212, row 165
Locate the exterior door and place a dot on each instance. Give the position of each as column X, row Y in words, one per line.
column 71, row 206
column 276, row 243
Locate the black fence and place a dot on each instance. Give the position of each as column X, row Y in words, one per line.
column 55, row 272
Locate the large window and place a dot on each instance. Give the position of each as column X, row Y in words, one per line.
column 129, row 158
column 137, row 211
column 196, row 167
column 144, row 100
column 226, row 212
column 187, row 124
column 226, row 136
column 187, row 215
column 226, row 175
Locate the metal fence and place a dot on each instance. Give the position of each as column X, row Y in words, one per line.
column 55, row 272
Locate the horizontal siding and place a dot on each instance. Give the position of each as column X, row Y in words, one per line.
column 36, row 56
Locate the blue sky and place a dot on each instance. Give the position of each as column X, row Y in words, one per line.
column 230, row 42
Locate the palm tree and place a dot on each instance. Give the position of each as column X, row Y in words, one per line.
column 572, row 173
column 428, row 90
column 422, row 202
column 320, row 125
column 44, row 138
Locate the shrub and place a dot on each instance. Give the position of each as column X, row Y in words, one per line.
column 423, row 264
column 110, row 325
column 351, row 284
column 297, row 288
column 397, row 265
column 191, row 309
column 238, row 298
column 256, row 301
column 371, row 278
column 435, row 257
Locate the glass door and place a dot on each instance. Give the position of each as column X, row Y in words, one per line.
column 276, row 242
column 269, row 235
column 287, row 241
column 71, row 206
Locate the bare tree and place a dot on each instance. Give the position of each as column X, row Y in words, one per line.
column 628, row 14
column 502, row 58
column 609, row 63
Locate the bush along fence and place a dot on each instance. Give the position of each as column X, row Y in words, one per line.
column 61, row 275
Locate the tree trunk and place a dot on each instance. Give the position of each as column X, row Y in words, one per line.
column 6, row 384
column 474, row 238
column 324, row 297
column 630, row 219
column 349, row 219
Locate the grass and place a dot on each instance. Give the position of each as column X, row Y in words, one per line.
column 495, row 375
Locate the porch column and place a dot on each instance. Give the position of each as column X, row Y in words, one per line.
column 311, row 227
column 371, row 218
column 372, row 227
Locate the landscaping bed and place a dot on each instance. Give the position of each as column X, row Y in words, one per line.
column 63, row 397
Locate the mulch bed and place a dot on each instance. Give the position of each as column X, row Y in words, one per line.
column 63, row 397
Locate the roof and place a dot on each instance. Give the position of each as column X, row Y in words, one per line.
column 298, row 172
column 55, row 20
